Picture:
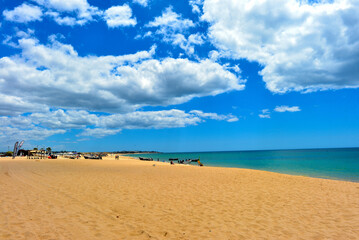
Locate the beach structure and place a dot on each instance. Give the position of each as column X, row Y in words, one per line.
column 23, row 152
column 36, row 154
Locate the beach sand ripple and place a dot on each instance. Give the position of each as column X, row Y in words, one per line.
column 131, row 199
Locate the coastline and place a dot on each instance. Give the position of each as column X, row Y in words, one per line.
column 265, row 171
column 128, row 199
column 336, row 164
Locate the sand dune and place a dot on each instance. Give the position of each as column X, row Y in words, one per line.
column 131, row 199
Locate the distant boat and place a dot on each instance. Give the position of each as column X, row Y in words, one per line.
column 187, row 161
column 145, row 159
column 93, row 157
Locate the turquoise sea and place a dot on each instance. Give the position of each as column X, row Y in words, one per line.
column 342, row 164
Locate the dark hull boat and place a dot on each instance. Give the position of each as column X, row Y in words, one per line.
column 145, row 159
column 93, row 157
column 187, row 161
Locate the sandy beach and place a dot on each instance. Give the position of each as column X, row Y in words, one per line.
column 132, row 199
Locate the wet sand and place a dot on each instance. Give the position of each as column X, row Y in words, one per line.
column 131, row 199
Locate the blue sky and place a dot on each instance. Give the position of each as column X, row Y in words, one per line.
column 198, row 75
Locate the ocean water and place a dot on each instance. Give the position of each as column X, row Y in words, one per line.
column 341, row 164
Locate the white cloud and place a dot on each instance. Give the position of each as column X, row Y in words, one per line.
column 54, row 76
column 65, row 6
column 42, row 73
column 117, row 16
column 8, row 134
column 99, row 132
column 14, row 105
column 196, row 5
column 215, row 116
column 232, row 119
column 59, row 121
column 171, row 21
column 265, row 113
column 22, row 34
column 66, row 20
column 74, row 12
column 214, row 55
column 187, row 44
column 172, row 28
column 302, row 47
column 71, row 13
column 151, row 119
column 143, row 3
column 287, row 109
column 23, row 14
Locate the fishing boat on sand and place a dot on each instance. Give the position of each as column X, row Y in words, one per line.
column 187, row 161
column 93, row 157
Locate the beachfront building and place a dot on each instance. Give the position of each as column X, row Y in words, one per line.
column 23, row 152
column 36, row 154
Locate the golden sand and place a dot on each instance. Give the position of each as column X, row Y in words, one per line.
column 131, row 199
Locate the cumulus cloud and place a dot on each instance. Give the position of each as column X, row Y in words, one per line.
column 117, row 16
column 14, row 105
column 75, row 12
column 67, row 6
column 196, row 5
column 61, row 119
column 173, row 28
column 189, row 43
column 24, row 13
column 42, row 73
column 99, row 132
column 99, row 125
column 143, row 3
column 8, row 134
column 287, row 109
column 151, row 119
column 171, row 20
column 64, row 20
column 71, row 13
column 302, row 47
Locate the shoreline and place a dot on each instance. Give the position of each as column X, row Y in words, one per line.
column 288, row 174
